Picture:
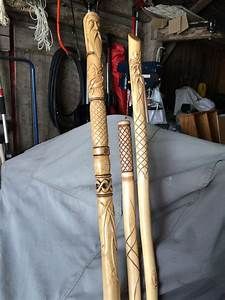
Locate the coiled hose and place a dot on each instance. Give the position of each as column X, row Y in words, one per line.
column 65, row 121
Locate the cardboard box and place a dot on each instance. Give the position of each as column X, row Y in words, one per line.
column 178, row 24
column 159, row 23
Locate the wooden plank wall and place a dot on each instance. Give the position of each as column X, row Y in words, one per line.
column 193, row 62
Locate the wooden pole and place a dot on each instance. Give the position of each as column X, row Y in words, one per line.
column 129, row 210
column 99, row 132
column 141, row 144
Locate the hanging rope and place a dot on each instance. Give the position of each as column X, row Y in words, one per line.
column 42, row 34
column 4, row 20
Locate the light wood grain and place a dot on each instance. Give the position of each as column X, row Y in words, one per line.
column 141, row 144
column 99, row 132
column 188, row 124
column 203, row 128
column 214, row 126
column 129, row 210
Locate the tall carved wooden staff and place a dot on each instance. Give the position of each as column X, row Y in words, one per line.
column 141, row 143
column 99, row 131
column 129, row 210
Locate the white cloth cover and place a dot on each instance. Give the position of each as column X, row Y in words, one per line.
column 187, row 95
column 49, row 245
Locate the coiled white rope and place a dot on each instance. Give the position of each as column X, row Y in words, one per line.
column 42, row 35
column 4, row 20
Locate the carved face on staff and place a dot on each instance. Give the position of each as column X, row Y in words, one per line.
column 94, row 41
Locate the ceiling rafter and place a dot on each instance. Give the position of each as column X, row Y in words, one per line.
column 200, row 5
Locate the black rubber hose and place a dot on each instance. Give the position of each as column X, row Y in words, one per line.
column 64, row 121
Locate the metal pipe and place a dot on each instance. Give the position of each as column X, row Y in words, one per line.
column 5, row 129
column 4, row 123
column 136, row 23
column 3, row 113
column 33, row 93
column 12, row 67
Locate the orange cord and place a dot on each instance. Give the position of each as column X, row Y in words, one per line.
column 61, row 44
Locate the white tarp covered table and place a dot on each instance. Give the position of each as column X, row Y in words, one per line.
column 49, row 246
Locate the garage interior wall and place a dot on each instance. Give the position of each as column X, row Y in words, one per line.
column 193, row 62
column 26, row 47
column 118, row 24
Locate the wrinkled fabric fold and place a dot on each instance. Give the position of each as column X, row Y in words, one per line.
column 49, row 244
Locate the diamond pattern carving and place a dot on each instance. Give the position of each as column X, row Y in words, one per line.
column 125, row 146
column 98, row 123
column 141, row 145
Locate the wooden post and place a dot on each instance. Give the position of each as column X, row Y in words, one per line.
column 150, row 44
column 99, row 131
column 141, row 143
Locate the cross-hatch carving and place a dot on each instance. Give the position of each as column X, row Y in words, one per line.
column 99, row 132
column 98, row 123
column 125, row 148
column 139, row 115
column 141, row 146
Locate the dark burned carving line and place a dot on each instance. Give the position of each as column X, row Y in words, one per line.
column 104, row 186
column 126, row 161
column 99, row 131
column 141, row 142
column 125, row 149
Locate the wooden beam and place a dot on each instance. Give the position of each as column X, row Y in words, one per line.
column 197, row 33
column 117, row 25
column 200, row 5
column 122, row 9
column 114, row 7
column 109, row 23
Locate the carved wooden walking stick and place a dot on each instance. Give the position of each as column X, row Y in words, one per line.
column 99, row 131
column 129, row 210
column 141, row 143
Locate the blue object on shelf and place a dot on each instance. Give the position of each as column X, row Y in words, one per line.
column 151, row 71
